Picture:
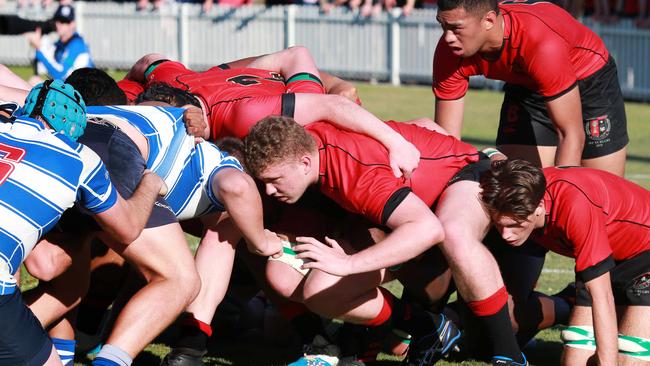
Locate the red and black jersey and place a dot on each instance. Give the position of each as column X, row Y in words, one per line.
column 226, row 93
column 355, row 170
column 544, row 49
column 594, row 216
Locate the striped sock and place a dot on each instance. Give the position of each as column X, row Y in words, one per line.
column 112, row 356
column 65, row 349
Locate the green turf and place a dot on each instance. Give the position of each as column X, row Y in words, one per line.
column 481, row 116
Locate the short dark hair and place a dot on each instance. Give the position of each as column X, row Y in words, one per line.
column 233, row 147
column 96, row 87
column 475, row 7
column 276, row 139
column 163, row 92
column 513, row 188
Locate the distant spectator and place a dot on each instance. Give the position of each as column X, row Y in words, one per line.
column 142, row 5
column 643, row 19
column 574, row 7
column 69, row 53
column 208, row 4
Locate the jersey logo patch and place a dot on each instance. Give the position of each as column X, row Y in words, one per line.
column 598, row 128
column 641, row 285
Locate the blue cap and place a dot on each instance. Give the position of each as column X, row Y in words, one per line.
column 60, row 105
column 64, row 14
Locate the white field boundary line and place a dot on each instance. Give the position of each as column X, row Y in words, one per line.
column 638, row 176
column 557, row 271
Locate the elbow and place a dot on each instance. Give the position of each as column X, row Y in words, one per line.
column 127, row 234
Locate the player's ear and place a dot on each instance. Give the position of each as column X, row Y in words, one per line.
column 540, row 209
column 489, row 20
column 306, row 163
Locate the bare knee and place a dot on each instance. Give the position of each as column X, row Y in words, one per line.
column 47, row 264
column 279, row 277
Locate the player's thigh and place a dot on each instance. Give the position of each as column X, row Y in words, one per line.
column 23, row 341
column 460, row 211
column 634, row 330
column 580, row 316
column 613, row 163
column 161, row 252
column 284, row 279
column 542, row 156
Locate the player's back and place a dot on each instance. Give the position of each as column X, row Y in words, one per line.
column 185, row 167
column 534, row 22
column 355, row 169
column 218, row 85
column 40, row 175
column 624, row 204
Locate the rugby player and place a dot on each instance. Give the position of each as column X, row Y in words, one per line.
column 203, row 181
column 283, row 83
column 601, row 220
column 563, row 104
column 45, row 172
column 353, row 170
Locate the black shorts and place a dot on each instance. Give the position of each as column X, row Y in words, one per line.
column 524, row 119
column 23, row 341
column 630, row 283
column 125, row 165
column 472, row 172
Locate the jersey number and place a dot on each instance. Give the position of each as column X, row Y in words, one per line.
column 9, row 157
column 244, row 80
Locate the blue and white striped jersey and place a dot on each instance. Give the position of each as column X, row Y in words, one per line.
column 42, row 173
column 186, row 168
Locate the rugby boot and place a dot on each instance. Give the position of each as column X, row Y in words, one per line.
column 430, row 348
column 507, row 361
column 183, row 357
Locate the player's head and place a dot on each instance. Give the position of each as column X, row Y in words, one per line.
column 233, row 147
column 512, row 193
column 466, row 24
column 162, row 92
column 280, row 153
column 59, row 105
column 96, row 87
column 64, row 21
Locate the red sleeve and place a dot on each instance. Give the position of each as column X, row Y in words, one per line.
column 549, row 64
column 376, row 194
column 583, row 224
column 131, row 88
column 449, row 83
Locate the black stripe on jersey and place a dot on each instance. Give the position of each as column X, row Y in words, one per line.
column 596, row 270
column 288, row 105
column 592, row 202
column 393, row 202
column 450, row 156
column 563, row 92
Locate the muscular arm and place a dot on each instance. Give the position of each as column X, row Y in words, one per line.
column 347, row 115
column 126, row 219
column 415, row 229
column 239, row 195
column 604, row 318
column 449, row 115
column 566, row 114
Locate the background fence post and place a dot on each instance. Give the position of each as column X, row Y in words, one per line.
column 290, row 26
column 183, row 34
column 394, row 45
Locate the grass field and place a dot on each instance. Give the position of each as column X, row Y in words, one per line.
column 480, row 128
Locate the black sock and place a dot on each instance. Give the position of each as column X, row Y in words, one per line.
column 499, row 330
column 413, row 319
column 193, row 338
column 308, row 325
